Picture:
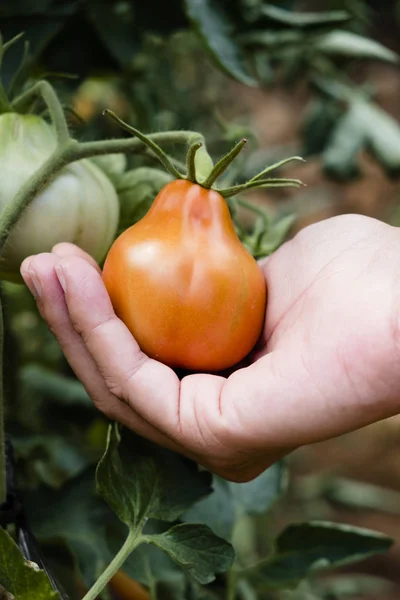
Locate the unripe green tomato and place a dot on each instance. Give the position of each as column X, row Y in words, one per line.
column 80, row 205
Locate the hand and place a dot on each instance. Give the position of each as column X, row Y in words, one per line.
column 328, row 363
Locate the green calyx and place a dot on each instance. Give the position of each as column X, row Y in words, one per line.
column 200, row 168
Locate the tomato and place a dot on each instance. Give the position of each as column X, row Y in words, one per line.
column 80, row 205
column 127, row 588
column 183, row 283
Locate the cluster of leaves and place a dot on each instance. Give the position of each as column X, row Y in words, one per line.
column 255, row 42
column 180, row 522
column 188, row 529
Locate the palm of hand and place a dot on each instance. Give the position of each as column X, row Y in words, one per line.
column 327, row 362
column 332, row 324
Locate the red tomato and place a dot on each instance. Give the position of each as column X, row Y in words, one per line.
column 183, row 283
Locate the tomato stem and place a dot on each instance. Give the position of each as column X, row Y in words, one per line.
column 276, row 166
column 46, row 91
column 159, row 152
column 3, row 479
column 190, row 162
column 223, row 164
column 133, row 540
column 260, row 183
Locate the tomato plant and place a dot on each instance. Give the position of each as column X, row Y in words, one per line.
column 183, row 283
column 181, row 239
column 80, row 205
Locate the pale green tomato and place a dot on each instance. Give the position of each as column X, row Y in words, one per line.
column 80, row 205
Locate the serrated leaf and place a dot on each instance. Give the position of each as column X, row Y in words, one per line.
column 304, row 19
column 76, row 516
column 307, row 548
column 217, row 510
column 25, row 581
column 196, row 549
column 215, row 30
column 141, row 480
column 258, row 495
column 351, row 45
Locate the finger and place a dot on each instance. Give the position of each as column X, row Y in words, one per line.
column 65, row 249
column 40, row 276
column 129, row 373
column 189, row 411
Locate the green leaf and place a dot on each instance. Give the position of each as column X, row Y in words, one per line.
column 217, row 510
column 114, row 25
column 141, row 480
column 320, row 120
column 137, row 190
column 275, row 235
column 306, row 548
column 51, row 457
column 147, row 563
column 54, row 386
column 24, row 580
column 351, row 45
column 364, row 125
column 304, row 19
column 196, row 549
column 216, row 32
column 257, row 496
column 76, row 516
column 340, row 159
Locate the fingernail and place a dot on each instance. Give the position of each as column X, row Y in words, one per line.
column 61, row 277
column 33, row 283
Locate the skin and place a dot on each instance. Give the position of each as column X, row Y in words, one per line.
column 184, row 285
column 328, row 361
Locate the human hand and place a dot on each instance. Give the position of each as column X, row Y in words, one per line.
column 327, row 362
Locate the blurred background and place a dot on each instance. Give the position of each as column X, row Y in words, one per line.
column 319, row 79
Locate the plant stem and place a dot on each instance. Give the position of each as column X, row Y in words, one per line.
column 5, row 106
column 190, row 162
column 231, row 585
column 12, row 211
column 133, row 540
column 150, row 143
column 46, row 91
column 3, row 480
column 223, row 164
column 71, row 152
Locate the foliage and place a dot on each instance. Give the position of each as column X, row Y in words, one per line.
column 177, row 529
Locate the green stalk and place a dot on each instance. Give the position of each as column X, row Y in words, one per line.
column 231, row 582
column 71, row 152
column 190, row 162
column 3, row 480
column 276, row 166
column 260, row 183
column 46, row 91
column 133, row 540
column 223, row 164
column 5, row 105
column 159, row 152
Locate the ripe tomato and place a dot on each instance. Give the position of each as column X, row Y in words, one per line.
column 183, row 283
column 80, row 204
